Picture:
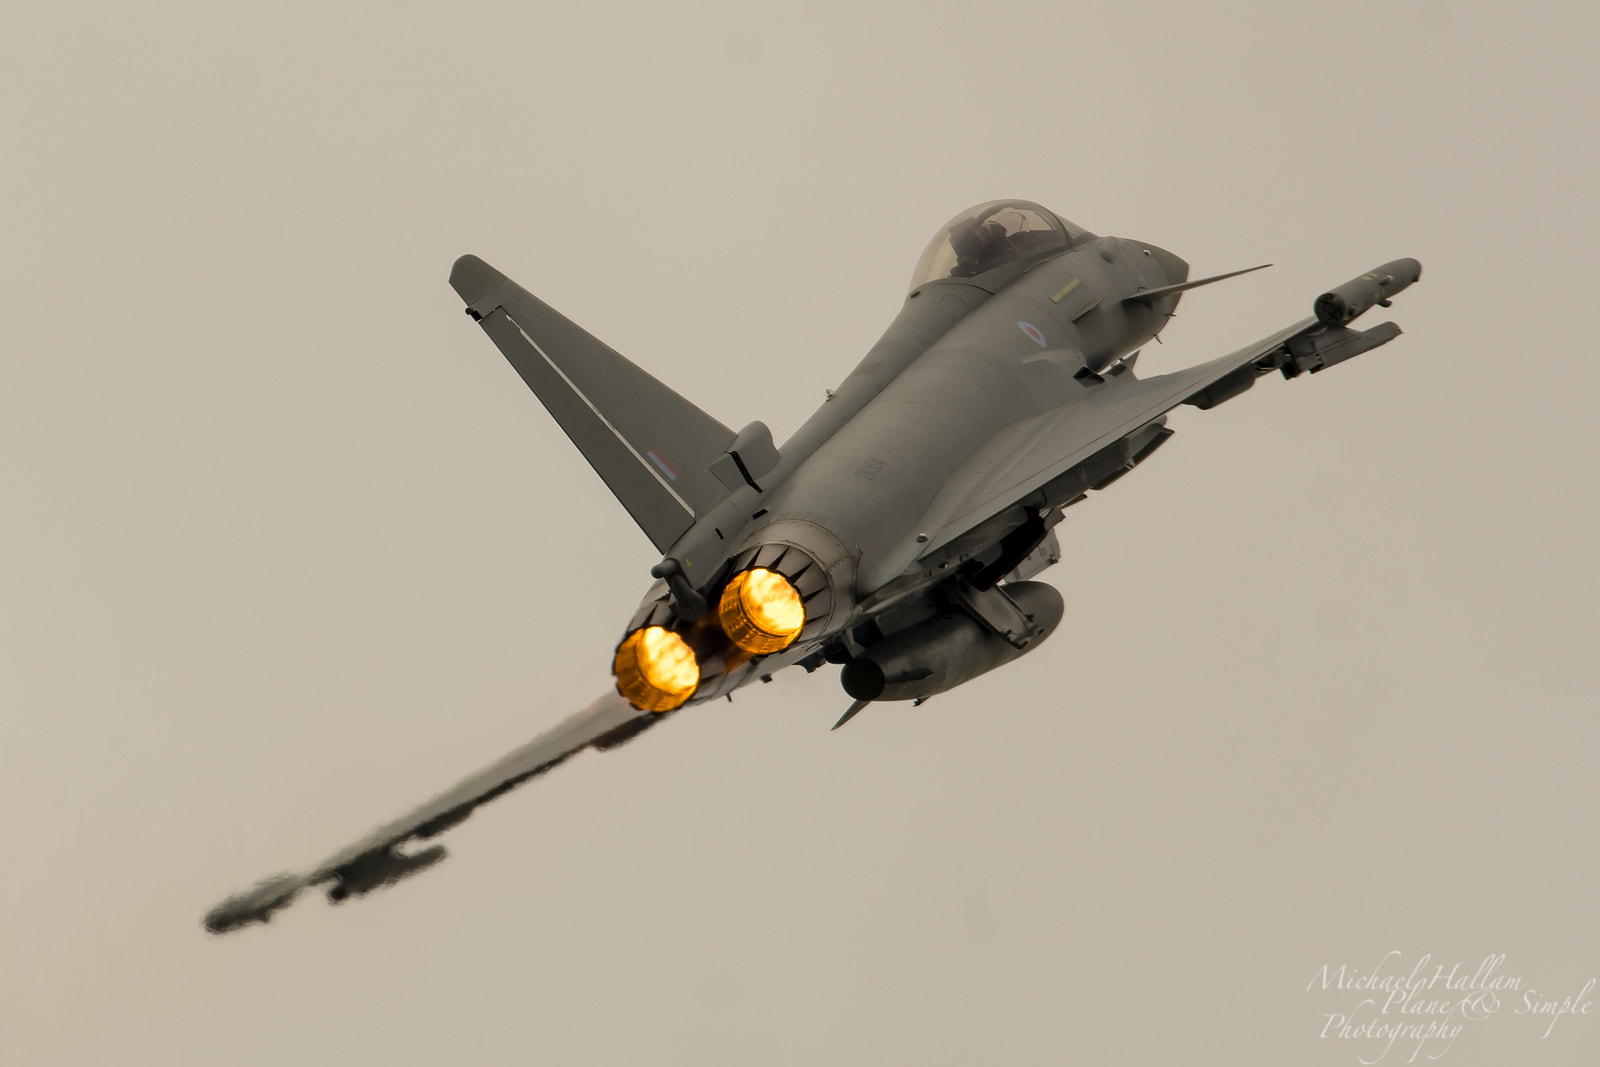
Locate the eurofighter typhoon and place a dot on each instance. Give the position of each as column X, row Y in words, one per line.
column 898, row 534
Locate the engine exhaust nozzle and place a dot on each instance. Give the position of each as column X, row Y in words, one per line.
column 656, row 670
column 761, row 611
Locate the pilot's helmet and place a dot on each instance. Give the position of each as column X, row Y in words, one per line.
column 984, row 237
column 978, row 244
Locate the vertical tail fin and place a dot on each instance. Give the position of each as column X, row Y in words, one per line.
column 665, row 459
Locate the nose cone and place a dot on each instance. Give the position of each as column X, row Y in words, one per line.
column 1175, row 269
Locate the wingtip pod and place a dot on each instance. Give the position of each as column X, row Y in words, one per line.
column 1378, row 286
column 369, row 871
column 254, row 905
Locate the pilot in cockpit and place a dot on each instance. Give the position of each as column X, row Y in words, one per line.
column 979, row 245
column 991, row 235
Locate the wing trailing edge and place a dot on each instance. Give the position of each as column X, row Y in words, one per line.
column 397, row 850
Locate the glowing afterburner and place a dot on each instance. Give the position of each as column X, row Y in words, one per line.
column 761, row 611
column 655, row 669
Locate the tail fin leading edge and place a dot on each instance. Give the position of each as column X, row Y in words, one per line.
column 653, row 448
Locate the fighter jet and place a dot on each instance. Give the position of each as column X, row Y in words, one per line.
column 898, row 533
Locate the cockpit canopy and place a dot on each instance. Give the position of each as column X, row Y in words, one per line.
column 990, row 235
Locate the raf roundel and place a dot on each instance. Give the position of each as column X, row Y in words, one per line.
column 1033, row 333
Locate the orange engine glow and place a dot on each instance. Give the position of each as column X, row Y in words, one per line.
column 761, row 611
column 655, row 669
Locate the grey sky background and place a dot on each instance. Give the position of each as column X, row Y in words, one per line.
column 288, row 546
